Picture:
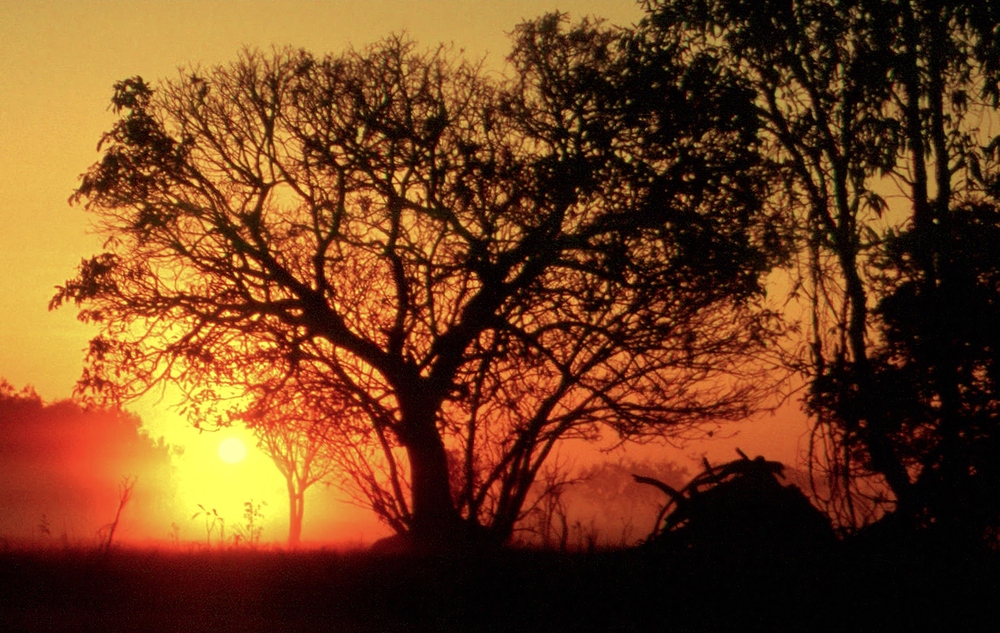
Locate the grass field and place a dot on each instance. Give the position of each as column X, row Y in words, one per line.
column 628, row 590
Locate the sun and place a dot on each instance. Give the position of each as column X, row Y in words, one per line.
column 232, row 450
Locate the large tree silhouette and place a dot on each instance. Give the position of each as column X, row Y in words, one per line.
column 860, row 100
column 483, row 266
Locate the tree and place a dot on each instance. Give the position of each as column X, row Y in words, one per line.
column 124, row 496
column 65, row 463
column 482, row 266
column 937, row 367
column 290, row 433
column 857, row 99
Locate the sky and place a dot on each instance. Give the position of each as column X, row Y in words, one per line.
column 58, row 62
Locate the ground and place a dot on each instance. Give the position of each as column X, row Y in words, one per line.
column 626, row 590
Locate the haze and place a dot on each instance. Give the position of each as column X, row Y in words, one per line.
column 58, row 61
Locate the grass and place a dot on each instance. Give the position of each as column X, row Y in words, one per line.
column 627, row 590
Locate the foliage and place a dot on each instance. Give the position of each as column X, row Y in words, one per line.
column 859, row 100
column 476, row 264
column 44, row 448
column 937, row 368
column 10, row 396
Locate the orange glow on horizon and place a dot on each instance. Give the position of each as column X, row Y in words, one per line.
column 58, row 62
column 206, row 478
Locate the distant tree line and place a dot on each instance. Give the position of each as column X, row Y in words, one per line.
column 64, row 471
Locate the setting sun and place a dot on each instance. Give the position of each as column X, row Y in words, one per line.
column 232, row 450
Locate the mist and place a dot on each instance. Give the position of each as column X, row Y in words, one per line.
column 61, row 467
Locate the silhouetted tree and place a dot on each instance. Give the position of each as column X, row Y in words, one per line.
column 290, row 432
column 124, row 496
column 858, row 99
column 481, row 264
column 937, row 367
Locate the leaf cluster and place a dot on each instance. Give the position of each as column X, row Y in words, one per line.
column 497, row 263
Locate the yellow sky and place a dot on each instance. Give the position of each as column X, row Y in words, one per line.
column 58, row 61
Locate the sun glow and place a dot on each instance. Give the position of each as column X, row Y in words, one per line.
column 232, row 450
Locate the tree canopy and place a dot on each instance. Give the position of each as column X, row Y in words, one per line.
column 875, row 115
column 475, row 266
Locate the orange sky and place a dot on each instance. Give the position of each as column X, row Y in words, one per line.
column 58, row 61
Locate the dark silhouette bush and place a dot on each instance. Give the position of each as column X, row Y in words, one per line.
column 741, row 510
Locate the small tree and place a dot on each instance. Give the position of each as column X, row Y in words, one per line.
column 291, row 433
column 483, row 266
column 124, row 496
column 214, row 523
column 250, row 530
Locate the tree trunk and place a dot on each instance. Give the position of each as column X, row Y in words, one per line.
column 435, row 518
column 296, row 508
column 435, row 521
